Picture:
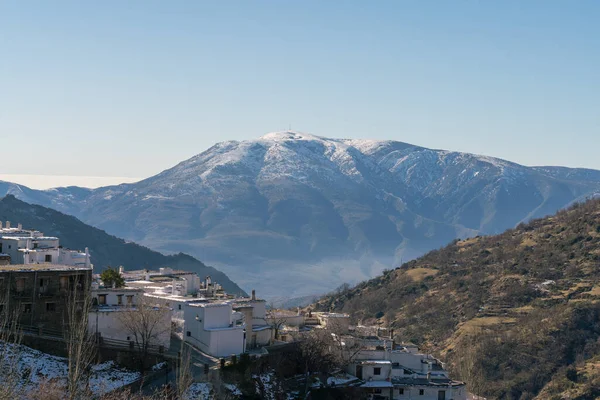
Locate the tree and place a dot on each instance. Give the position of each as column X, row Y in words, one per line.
column 276, row 319
column 10, row 352
column 81, row 346
column 146, row 324
column 112, row 278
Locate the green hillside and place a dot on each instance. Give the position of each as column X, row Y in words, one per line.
column 106, row 250
column 516, row 315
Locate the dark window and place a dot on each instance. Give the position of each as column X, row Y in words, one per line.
column 20, row 284
column 180, row 306
column 128, row 338
column 1, row 308
column 376, row 371
column 9, row 246
column 101, row 299
column 48, row 258
column 189, row 333
column 42, row 282
column 120, row 299
column 50, row 307
column 421, row 392
column 27, row 308
column 400, row 391
column 64, row 282
column 35, row 245
column 377, row 391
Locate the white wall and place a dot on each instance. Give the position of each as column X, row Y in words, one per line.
column 108, row 324
column 208, row 327
column 429, row 393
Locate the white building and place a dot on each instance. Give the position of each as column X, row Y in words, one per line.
column 254, row 312
column 401, row 373
column 32, row 247
column 212, row 328
column 106, row 320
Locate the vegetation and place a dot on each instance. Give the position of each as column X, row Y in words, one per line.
column 516, row 315
column 112, row 278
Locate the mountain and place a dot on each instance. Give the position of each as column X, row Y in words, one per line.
column 294, row 214
column 105, row 250
column 516, row 315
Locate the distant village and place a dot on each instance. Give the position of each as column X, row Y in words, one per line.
column 182, row 309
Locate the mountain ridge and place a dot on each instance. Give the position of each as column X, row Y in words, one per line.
column 312, row 212
column 515, row 315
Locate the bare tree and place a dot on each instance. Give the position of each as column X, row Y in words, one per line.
column 10, row 352
column 276, row 319
column 81, row 347
column 184, row 372
column 147, row 324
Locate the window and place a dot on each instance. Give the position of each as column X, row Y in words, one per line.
column 189, row 333
column 129, row 299
column 400, row 391
column 377, row 371
column 27, row 308
column 180, row 306
column 48, row 258
column 9, row 246
column 120, row 299
column 20, row 284
column 64, row 282
column 377, row 391
column 50, row 307
column 1, row 308
column 101, row 299
column 35, row 245
column 421, row 392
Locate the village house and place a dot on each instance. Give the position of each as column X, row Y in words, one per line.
column 112, row 305
column 39, row 293
column 25, row 246
column 211, row 327
column 254, row 311
column 400, row 372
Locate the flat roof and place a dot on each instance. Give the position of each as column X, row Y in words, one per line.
column 368, row 362
column 41, row 267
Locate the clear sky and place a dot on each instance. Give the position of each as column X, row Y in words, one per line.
column 129, row 88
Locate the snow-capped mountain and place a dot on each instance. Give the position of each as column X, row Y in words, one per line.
column 295, row 214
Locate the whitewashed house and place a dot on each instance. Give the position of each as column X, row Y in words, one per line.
column 25, row 247
column 254, row 311
column 212, row 328
column 401, row 373
column 110, row 308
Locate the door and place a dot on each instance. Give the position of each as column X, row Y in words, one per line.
column 442, row 395
column 359, row 371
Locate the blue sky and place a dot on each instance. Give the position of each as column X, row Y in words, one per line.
column 129, row 88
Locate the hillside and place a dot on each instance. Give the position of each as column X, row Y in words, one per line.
column 310, row 212
column 105, row 250
column 517, row 315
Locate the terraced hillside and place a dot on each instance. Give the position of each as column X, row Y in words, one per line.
column 517, row 315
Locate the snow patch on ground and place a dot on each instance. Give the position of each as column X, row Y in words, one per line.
column 200, row 391
column 36, row 367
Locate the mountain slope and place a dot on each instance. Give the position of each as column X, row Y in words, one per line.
column 310, row 212
column 516, row 314
column 105, row 250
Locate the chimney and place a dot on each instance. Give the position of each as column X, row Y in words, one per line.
column 7, row 224
column 253, row 294
column 19, row 226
